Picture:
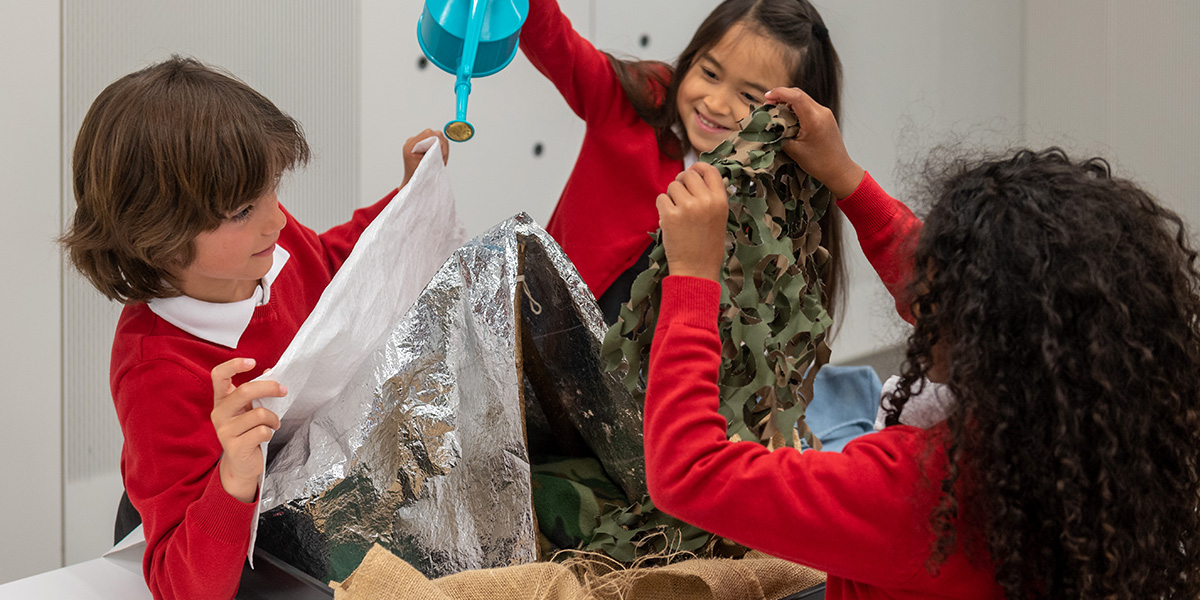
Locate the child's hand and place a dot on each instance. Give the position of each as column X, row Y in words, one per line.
column 240, row 427
column 692, row 215
column 819, row 148
column 413, row 154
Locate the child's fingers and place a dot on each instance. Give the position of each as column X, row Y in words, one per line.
column 223, row 374
column 243, row 433
column 241, row 398
column 802, row 104
column 664, row 203
column 252, row 423
column 693, row 181
column 710, row 176
column 411, row 143
column 706, row 189
column 794, row 97
column 677, row 190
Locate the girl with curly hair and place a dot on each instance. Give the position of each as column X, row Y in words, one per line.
column 1058, row 303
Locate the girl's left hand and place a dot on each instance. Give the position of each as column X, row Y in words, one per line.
column 692, row 214
column 413, row 156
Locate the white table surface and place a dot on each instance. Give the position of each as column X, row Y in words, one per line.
column 96, row 579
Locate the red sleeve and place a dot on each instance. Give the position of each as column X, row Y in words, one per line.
column 339, row 241
column 856, row 514
column 581, row 73
column 887, row 231
column 196, row 533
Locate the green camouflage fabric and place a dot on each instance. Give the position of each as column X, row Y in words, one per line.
column 645, row 535
column 772, row 323
column 579, row 507
column 569, row 495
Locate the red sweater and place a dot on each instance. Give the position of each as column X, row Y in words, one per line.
column 861, row 515
column 606, row 212
column 196, row 533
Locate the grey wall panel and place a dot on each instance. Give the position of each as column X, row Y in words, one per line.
column 31, row 439
column 1120, row 79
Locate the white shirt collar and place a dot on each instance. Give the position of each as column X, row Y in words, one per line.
column 219, row 322
column 690, row 157
column 932, row 406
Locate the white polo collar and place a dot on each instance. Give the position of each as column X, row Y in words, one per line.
column 219, row 322
column 690, row 157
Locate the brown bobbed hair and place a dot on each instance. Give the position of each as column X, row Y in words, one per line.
column 164, row 154
column 652, row 86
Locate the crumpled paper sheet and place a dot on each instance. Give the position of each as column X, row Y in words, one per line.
column 424, row 450
column 407, row 241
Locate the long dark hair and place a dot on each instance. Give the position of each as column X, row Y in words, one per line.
column 652, row 87
column 1068, row 302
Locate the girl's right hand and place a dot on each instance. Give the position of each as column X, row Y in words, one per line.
column 241, row 428
column 819, row 148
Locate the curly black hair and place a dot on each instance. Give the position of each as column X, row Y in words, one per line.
column 1065, row 302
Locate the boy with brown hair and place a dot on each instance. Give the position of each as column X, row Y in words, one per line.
column 174, row 173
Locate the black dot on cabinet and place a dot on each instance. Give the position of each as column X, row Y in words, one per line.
column 644, row 40
column 422, row 63
column 538, row 149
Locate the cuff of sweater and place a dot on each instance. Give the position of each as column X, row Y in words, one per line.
column 222, row 517
column 691, row 301
column 869, row 208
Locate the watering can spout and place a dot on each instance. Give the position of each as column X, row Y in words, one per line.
column 470, row 38
column 460, row 130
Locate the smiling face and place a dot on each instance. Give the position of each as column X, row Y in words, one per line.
column 230, row 259
column 722, row 83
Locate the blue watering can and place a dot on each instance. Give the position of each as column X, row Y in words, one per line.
column 470, row 38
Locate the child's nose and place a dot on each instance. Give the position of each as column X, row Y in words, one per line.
column 278, row 219
column 718, row 103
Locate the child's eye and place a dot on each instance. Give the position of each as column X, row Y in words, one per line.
column 243, row 214
column 708, row 73
column 751, row 99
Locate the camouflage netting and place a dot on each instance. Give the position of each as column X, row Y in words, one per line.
column 773, row 322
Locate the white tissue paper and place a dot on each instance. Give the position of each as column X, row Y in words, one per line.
column 393, row 260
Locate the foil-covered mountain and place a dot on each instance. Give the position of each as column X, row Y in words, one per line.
column 428, row 452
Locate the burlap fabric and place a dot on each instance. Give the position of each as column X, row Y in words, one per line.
column 382, row 576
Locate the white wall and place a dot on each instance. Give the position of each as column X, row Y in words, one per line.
column 1120, row 79
column 916, row 74
column 30, row 365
